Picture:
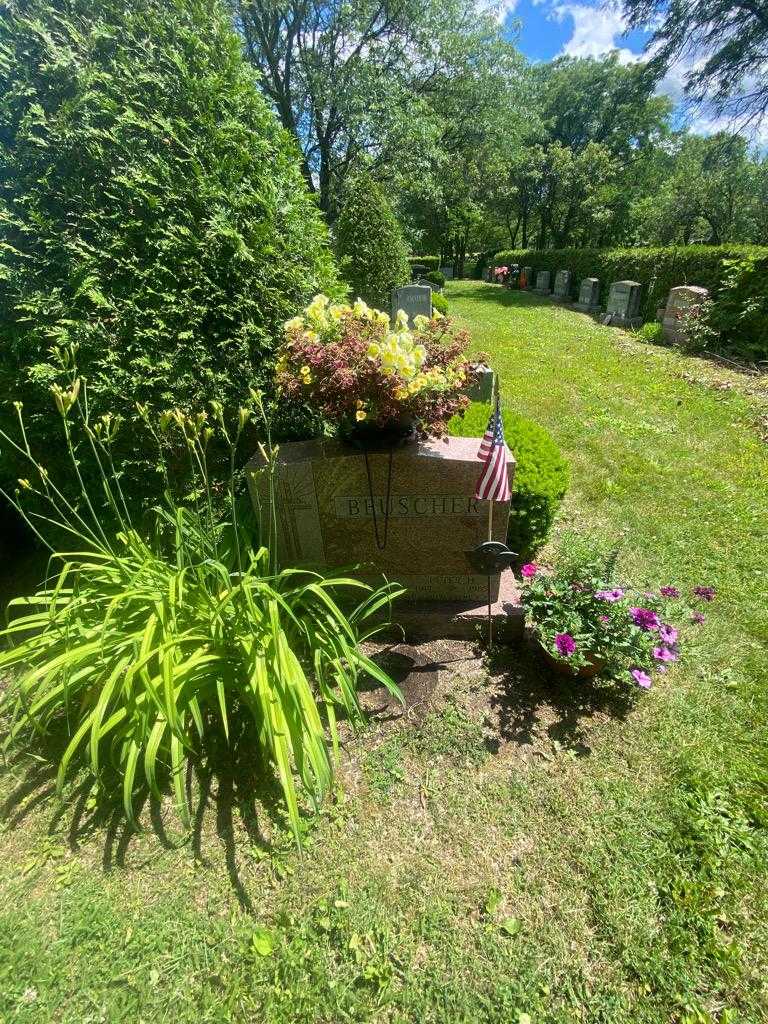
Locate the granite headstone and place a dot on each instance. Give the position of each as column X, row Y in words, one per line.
column 414, row 299
column 623, row 306
column 329, row 515
column 542, row 282
column 680, row 302
column 589, row 296
column 563, row 285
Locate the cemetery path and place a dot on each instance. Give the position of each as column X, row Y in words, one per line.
column 531, row 852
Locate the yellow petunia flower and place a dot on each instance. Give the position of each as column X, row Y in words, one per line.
column 360, row 415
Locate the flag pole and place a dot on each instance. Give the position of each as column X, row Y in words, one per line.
column 495, row 400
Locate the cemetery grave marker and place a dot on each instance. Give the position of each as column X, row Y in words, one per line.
column 623, row 306
column 542, row 282
column 589, row 296
column 681, row 300
column 563, row 285
column 414, row 299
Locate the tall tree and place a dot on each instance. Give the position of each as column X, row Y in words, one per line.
column 373, row 82
column 723, row 42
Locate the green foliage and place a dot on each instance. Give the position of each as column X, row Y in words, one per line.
column 738, row 294
column 144, row 649
column 430, row 262
column 369, row 244
column 652, row 332
column 152, row 212
column 440, row 303
column 740, row 311
column 436, row 277
column 541, row 474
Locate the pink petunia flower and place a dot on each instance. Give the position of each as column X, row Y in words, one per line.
column 668, row 633
column 665, row 654
column 529, row 570
column 645, row 618
column 705, row 593
column 609, row 595
column 641, row 678
column 669, row 592
column 565, row 644
column 698, row 617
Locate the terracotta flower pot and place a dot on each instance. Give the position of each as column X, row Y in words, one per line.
column 564, row 668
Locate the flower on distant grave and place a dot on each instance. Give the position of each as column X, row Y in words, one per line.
column 641, row 678
column 565, row 644
column 529, row 570
column 669, row 592
column 667, row 633
column 698, row 617
column 645, row 618
column 705, row 593
column 616, row 594
column 665, row 654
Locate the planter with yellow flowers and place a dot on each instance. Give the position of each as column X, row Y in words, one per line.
column 380, row 383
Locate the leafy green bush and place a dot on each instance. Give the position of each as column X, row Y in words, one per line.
column 146, row 646
column 152, row 213
column 436, row 278
column 369, row 243
column 742, row 318
column 740, row 310
column 541, row 475
column 429, row 262
column 652, row 332
column 440, row 303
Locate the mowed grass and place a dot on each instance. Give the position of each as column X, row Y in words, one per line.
column 527, row 852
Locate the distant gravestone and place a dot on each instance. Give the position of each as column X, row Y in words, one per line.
column 563, row 285
column 623, row 306
column 480, row 388
column 424, row 283
column 447, row 272
column 528, row 272
column 411, row 515
column 680, row 302
column 542, row 282
column 415, row 299
column 589, row 296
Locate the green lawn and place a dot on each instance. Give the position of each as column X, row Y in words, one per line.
column 529, row 850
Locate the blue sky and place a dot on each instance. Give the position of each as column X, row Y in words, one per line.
column 543, row 29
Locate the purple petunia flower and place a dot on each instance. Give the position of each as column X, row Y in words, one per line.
column 665, row 654
column 669, row 592
column 565, row 644
column 529, row 570
column 604, row 618
column 641, row 678
column 698, row 617
column 705, row 593
column 645, row 618
column 609, row 595
column 667, row 633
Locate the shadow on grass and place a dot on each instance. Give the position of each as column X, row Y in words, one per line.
column 230, row 795
column 530, row 702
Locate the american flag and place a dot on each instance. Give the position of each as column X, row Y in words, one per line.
column 493, row 482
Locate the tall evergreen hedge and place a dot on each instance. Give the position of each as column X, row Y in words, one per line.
column 373, row 256
column 152, row 211
column 659, row 269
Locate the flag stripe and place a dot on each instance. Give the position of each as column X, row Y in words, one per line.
column 493, row 483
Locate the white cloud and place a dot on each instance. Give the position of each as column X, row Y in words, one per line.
column 596, row 30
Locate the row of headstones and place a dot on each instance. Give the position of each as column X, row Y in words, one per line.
column 623, row 306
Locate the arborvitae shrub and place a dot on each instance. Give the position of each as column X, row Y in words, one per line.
column 373, row 256
column 152, row 213
column 541, row 474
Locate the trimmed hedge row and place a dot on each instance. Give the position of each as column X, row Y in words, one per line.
column 430, row 262
column 657, row 270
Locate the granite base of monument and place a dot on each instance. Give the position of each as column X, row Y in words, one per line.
column 466, row 620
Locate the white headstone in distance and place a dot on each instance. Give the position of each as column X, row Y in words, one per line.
column 589, row 296
column 623, row 306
